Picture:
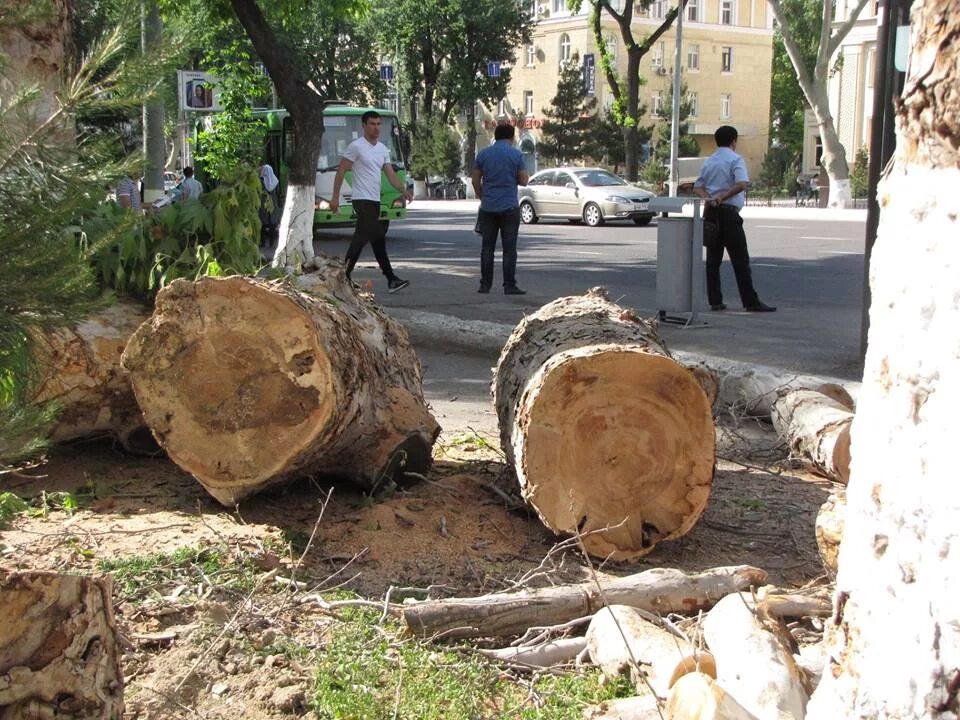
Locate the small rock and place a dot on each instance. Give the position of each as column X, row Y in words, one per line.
column 219, row 688
column 230, row 668
column 268, row 636
column 289, row 699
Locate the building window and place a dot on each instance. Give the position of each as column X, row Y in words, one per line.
column 564, row 48
column 612, row 49
column 532, row 9
column 531, row 55
column 694, row 100
column 693, row 57
column 727, row 12
column 693, row 11
column 658, row 51
column 558, row 7
column 656, row 104
column 725, row 107
column 726, row 59
column 528, row 102
column 658, row 9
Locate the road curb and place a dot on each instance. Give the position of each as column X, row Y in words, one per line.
column 744, row 387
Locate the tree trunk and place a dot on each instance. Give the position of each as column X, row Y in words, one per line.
column 661, row 591
column 81, row 371
column 154, row 143
column 894, row 640
column 609, row 437
column 247, row 383
column 817, row 429
column 59, row 654
column 829, row 530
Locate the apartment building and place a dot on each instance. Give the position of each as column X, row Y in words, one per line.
column 727, row 49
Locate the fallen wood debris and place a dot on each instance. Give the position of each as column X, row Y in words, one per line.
column 697, row 696
column 816, row 427
column 537, row 657
column 829, row 529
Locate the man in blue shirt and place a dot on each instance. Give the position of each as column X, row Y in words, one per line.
column 722, row 182
column 497, row 172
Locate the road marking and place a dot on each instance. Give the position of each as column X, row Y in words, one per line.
column 765, row 264
column 775, row 227
column 584, row 252
column 818, row 237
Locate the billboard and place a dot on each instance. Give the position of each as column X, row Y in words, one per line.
column 198, row 91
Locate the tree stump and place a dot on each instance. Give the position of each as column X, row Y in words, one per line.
column 247, row 383
column 59, row 655
column 80, row 369
column 608, row 435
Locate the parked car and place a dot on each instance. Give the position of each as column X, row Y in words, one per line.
column 590, row 195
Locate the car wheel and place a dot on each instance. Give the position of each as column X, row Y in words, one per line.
column 642, row 220
column 592, row 215
column 527, row 214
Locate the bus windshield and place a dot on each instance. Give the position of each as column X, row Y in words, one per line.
column 341, row 130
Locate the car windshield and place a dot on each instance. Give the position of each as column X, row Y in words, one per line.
column 598, row 178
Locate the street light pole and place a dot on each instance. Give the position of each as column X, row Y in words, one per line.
column 675, row 109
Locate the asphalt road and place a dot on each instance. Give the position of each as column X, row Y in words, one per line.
column 809, row 263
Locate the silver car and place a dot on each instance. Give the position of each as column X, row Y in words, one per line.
column 591, row 195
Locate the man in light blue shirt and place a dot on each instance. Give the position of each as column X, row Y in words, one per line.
column 722, row 182
column 497, row 172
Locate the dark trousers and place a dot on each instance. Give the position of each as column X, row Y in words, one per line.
column 506, row 224
column 370, row 229
column 732, row 239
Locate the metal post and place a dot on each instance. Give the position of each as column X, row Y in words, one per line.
column 675, row 110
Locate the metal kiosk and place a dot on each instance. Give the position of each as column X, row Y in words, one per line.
column 680, row 273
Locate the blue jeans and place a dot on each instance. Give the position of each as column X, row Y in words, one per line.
column 506, row 224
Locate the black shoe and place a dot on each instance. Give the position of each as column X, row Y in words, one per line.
column 484, row 289
column 718, row 307
column 513, row 290
column 759, row 307
column 397, row 284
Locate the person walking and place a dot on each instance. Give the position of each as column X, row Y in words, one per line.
column 367, row 157
column 269, row 203
column 128, row 194
column 721, row 183
column 190, row 188
column 497, row 172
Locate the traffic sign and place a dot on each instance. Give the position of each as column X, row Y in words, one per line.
column 386, row 72
column 493, row 68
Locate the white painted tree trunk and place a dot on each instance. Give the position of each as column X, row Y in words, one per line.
column 894, row 641
column 295, row 247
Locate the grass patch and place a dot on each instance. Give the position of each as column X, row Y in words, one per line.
column 11, row 505
column 367, row 672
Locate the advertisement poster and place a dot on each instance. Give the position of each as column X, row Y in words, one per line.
column 198, row 91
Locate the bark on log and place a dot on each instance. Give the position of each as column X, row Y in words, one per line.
column 699, row 697
column 247, row 383
column 817, row 429
column 661, row 590
column 537, row 657
column 829, row 530
column 59, row 655
column 81, row 370
column 609, row 437
column 642, row 707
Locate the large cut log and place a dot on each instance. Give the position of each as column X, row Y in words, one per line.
column 641, row 707
column 697, row 696
column 608, row 435
column 59, row 654
column 247, row 383
column 80, row 369
column 829, row 529
column 661, row 590
column 816, row 428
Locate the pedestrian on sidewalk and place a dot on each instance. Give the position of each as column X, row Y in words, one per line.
column 497, row 172
column 367, row 157
column 722, row 182
column 190, row 188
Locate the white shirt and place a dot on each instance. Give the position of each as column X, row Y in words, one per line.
column 190, row 189
column 720, row 172
column 368, row 160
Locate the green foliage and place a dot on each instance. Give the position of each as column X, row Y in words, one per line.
column 606, row 140
column 10, row 506
column 213, row 236
column 860, row 175
column 434, row 151
column 653, row 174
column 775, row 172
column 366, row 671
column 235, row 139
column 568, row 122
column 686, row 145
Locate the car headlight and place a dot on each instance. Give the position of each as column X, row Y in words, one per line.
column 617, row 199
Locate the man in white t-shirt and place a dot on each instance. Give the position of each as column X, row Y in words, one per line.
column 190, row 188
column 367, row 157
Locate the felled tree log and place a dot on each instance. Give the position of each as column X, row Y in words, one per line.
column 829, row 530
column 59, row 655
column 661, row 590
column 247, row 383
column 817, row 429
column 641, row 707
column 609, row 437
column 697, row 696
column 80, row 369
column 536, row 657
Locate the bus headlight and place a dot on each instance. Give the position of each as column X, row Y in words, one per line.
column 397, row 203
column 322, row 204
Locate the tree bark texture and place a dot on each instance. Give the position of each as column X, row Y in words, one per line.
column 81, row 371
column 697, row 696
column 661, row 590
column 609, row 437
column 893, row 642
column 59, row 654
column 247, row 383
column 829, row 530
column 816, row 428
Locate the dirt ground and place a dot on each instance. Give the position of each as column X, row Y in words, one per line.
column 202, row 652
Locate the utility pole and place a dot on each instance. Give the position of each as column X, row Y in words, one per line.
column 154, row 144
column 675, row 110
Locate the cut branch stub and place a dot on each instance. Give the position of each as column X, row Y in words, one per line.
column 247, row 383
column 608, row 435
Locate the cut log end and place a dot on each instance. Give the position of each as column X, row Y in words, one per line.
column 622, row 445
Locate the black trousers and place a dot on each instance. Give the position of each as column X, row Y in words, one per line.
column 732, row 239
column 370, row 229
column 506, row 224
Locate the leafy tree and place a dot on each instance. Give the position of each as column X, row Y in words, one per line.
column 686, row 145
column 605, row 142
column 435, row 150
column 569, row 117
column 773, row 172
column 859, row 178
column 787, row 102
column 794, row 18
